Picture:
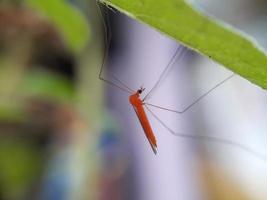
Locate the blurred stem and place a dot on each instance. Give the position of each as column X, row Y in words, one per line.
column 91, row 100
column 90, row 87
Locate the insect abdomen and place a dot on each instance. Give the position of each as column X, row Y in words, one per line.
column 146, row 127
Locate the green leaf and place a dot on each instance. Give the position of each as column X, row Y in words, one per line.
column 48, row 86
column 68, row 20
column 221, row 43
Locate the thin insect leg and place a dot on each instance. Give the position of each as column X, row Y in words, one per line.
column 196, row 101
column 115, row 85
column 107, row 45
column 210, row 139
column 177, row 55
column 162, row 108
column 125, row 87
column 117, row 79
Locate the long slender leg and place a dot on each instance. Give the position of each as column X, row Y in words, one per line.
column 178, row 54
column 123, row 86
column 210, row 138
column 196, row 101
column 122, row 83
column 115, row 85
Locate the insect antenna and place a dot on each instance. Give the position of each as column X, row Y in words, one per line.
column 210, row 139
column 107, row 38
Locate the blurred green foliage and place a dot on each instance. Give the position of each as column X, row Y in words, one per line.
column 67, row 19
column 48, row 86
column 20, row 164
column 37, row 68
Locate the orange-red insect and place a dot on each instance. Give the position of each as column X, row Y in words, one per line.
column 138, row 106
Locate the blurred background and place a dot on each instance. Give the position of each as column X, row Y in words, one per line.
column 66, row 135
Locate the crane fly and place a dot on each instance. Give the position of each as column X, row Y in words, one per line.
column 140, row 105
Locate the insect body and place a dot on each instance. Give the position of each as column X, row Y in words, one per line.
column 138, row 106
